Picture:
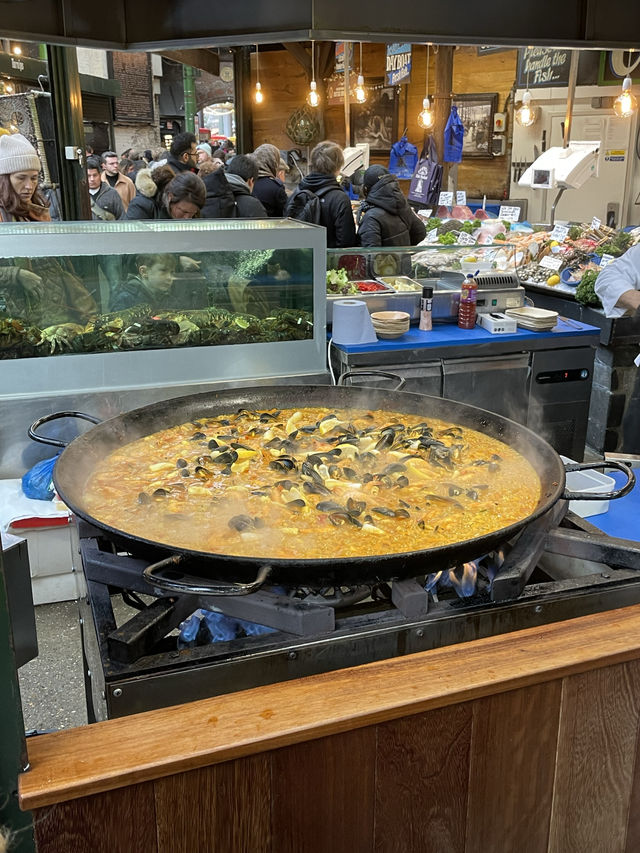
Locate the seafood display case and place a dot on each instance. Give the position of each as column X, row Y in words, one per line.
column 108, row 316
column 392, row 280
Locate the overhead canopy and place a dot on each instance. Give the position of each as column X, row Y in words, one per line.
column 136, row 25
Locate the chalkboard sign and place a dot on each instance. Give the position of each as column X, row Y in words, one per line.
column 543, row 67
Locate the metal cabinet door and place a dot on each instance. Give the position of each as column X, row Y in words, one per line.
column 425, row 378
column 499, row 384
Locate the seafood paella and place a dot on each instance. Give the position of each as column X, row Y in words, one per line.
column 312, row 483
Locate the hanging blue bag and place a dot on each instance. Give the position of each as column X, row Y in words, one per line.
column 453, row 137
column 403, row 159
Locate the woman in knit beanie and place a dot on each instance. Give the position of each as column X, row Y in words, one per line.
column 20, row 199
column 267, row 187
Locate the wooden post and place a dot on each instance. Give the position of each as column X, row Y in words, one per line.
column 442, row 100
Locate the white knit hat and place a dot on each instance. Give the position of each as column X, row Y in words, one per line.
column 16, row 154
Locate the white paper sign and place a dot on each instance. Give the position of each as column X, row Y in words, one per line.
column 596, row 223
column 432, row 236
column 605, row 260
column 425, row 212
column 559, row 233
column 466, row 239
column 551, row 263
column 445, row 199
column 461, row 197
column 509, row 214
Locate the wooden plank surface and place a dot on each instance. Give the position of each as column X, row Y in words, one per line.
column 422, row 773
column 323, row 795
column 595, row 763
column 89, row 759
column 223, row 808
column 127, row 823
column 513, row 754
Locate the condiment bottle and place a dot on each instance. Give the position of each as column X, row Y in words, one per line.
column 426, row 320
column 468, row 300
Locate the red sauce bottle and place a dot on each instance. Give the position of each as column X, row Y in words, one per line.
column 468, row 301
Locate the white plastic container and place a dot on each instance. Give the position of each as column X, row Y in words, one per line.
column 588, row 481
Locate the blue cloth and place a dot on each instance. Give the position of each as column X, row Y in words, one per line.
column 453, row 137
column 403, row 159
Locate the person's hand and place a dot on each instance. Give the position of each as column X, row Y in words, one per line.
column 31, row 283
column 188, row 264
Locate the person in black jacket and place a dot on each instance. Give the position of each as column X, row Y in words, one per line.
column 326, row 161
column 268, row 189
column 163, row 195
column 183, row 153
column 241, row 174
column 220, row 202
column 385, row 218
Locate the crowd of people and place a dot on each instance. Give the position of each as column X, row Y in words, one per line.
column 193, row 179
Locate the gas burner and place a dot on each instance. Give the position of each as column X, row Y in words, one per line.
column 558, row 568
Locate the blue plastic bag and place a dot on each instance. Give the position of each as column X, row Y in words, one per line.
column 403, row 159
column 37, row 483
column 453, row 137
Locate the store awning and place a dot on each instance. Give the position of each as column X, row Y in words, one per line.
column 193, row 23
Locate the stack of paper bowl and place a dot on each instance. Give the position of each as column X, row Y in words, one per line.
column 390, row 324
column 534, row 319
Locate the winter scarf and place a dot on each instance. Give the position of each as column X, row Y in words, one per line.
column 268, row 158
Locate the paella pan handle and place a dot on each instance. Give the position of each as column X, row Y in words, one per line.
column 598, row 496
column 380, row 374
column 175, row 581
column 56, row 442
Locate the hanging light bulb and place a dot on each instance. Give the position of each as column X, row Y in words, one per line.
column 625, row 104
column 361, row 93
column 8, row 88
column 16, row 50
column 426, row 117
column 526, row 114
column 313, row 98
column 258, row 95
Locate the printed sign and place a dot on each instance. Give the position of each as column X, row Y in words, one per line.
column 432, row 236
column 466, row 239
column 605, row 260
column 509, row 214
column 339, row 64
column 615, row 155
column 398, row 63
column 445, row 199
column 543, row 66
column 559, row 233
column 425, row 212
column 461, row 197
column 596, row 223
column 550, row 262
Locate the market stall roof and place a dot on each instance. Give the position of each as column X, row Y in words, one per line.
column 191, row 23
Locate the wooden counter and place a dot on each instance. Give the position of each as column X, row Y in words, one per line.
column 525, row 742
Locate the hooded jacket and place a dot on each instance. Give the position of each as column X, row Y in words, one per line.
column 220, row 202
column 107, row 200
column 336, row 215
column 147, row 203
column 386, row 219
column 247, row 207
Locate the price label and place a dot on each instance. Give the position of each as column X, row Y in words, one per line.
column 605, row 260
column 596, row 223
column 425, row 213
column 461, row 197
column 559, row 233
column 551, row 263
column 432, row 236
column 466, row 239
column 509, row 214
column 445, row 199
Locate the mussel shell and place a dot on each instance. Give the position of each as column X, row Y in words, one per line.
column 329, row 506
column 227, row 457
column 241, row 522
column 313, row 488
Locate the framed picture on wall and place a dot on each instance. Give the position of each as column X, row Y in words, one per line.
column 376, row 121
column 476, row 113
